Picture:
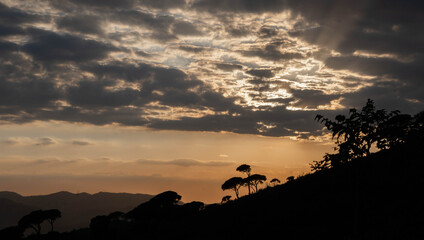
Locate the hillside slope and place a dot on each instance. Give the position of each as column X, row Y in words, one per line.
column 379, row 197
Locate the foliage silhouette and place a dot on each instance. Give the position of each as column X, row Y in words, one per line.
column 255, row 180
column 290, row 178
column 275, row 181
column 356, row 134
column 233, row 183
column 51, row 216
column 35, row 218
column 244, row 168
column 32, row 220
column 225, row 199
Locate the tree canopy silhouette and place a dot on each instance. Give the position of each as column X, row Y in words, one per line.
column 357, row 133
column 233, row 183
column 35, row 218
column 244, row 168
column 255, row 180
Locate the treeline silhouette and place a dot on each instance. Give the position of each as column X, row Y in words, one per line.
column 354, row 193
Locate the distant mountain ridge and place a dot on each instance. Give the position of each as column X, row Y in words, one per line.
column 77, row 208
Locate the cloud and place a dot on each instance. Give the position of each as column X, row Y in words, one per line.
column 228, row 67
column 45, row 141
column 185, row 28
column 211, row 65
column 50, row 47
column 261, row 73
column 89, row 24
column 186, row 163
column 94, row 93
column 15, row 16
column 272, row 52
column 81, row 143
column 193, row 49
column 216, row 6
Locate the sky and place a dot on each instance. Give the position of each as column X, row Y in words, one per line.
column 145, row 96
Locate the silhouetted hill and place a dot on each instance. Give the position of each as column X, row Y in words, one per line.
column 379, row 197
column 77, row 209
column 375, row 197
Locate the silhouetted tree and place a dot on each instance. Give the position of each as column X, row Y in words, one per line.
column 32, row 220
column 225, row 199
column 356, row 134
column 233, row 183
column 51, row 216
column 244, row 168
column 255, row 180
column 275, row 181
column 166, row 199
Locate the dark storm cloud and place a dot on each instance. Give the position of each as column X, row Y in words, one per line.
column 238, row 31
column 387, row 95
column 14, row 16
column 252, row 6
column 50, row 47
column 81, row 23
column 378, row 26
column 185, row 28
column 8, row 47
column 168, row 86
column 228, row 67
column 27, row 94
column 406, row 71
column 160, row 25
column 113, row 4
column 311, row 98
column 10, row 30
column 273, row 52
column 81, row 83
column 193, row 49
column 94, row 93
column 126, row 116
column 282, row 121
column 267, row 32
column 151, row 77
column 261, row 73
column 163, row 4
column 403, row 77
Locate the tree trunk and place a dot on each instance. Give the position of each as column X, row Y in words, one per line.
column 51, row 224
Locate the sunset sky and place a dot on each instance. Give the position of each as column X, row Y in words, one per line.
column 145, row 96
